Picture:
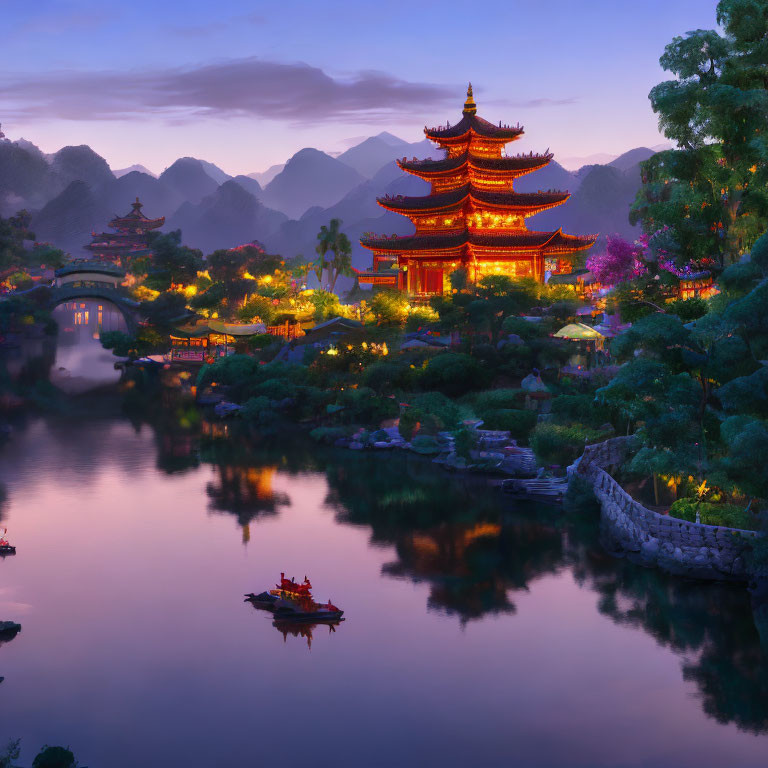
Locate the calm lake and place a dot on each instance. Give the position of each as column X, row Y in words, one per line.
column 478, row 632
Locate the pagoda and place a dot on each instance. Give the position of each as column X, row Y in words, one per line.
column 130, row 239
column 473, row 218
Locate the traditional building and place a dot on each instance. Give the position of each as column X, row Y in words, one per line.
column 130, row 239
column 473, row 217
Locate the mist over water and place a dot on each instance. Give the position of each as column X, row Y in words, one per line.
column 81, row 362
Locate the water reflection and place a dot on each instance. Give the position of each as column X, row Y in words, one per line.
column 302, row 630
column 477, row 562
column 82, row 363
column 711, row 627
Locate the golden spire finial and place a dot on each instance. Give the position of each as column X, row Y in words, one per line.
column 470, row 108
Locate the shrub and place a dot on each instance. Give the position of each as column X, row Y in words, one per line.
column 328, row 434
column 54, row 757
column 578, row 408
column 728, row 515
column 428, row 413
column 326, row 304
column 518, row 422
column 486, row 354
column 559, row 443
column 409, row 423
column 259, row 411
column 453, row 373
column 425, row 445
column 688, row 309
column 439, row 407
column 258, row 308
column 227, row 370
column 261, row 341
column 525, row 329
column 738, row 279
column 385, row 376
column 494, row 399
column 580, row 497
column 389, row 307
column 420, row 317
column 364, row 406
column 275, row 389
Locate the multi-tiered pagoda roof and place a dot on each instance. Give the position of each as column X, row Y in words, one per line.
column 130, row 238
column 473, row 217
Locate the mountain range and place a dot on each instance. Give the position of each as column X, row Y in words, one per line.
column 73, row 192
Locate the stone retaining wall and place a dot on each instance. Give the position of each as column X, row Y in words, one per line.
column 677, row 546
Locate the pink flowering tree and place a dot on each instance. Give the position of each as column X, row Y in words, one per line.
column 621, row 261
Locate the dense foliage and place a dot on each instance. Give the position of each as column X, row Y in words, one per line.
column 712, row 191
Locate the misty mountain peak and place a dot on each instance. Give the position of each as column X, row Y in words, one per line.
column 81, row 163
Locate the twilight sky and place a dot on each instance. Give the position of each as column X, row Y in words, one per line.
column 245, row 84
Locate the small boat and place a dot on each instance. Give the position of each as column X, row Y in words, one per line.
column 6, row 548
column 293, row 601
column 327, row 612
column 263, row 600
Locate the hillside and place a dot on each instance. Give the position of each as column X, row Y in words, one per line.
column 67, row 220
column 26, row 180
column 309, row 178
column 188, row 179
column 228, row 217
column 287, row 213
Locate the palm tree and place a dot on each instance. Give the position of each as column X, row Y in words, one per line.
column 326, row 237
column 341, row 264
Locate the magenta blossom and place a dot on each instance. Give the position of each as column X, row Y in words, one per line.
column 620, row 261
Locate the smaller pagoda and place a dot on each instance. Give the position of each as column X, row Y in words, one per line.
column 130, row 239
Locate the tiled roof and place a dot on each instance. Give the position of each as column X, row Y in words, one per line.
column 508, row 199
column 476, row 124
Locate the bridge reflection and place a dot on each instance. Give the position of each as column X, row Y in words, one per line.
column 81, row 362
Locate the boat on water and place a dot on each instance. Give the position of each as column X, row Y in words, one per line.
column 6, row 548
column 292, row 601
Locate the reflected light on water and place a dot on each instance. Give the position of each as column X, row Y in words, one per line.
column 81, row 362
column 475, row 633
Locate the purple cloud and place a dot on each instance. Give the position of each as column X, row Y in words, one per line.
column 235, row 88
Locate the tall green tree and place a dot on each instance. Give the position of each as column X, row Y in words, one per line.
column 331, row 238
column 713, row 189
column 171, row 261
column 13, row 232
column 325, row 239
column 341, row 264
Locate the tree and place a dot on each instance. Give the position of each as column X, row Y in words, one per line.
column 212, row 298
column 145, row 342
column 258, row 307
column 713, row 189
column 331, row 238
column 620, row 261
column 171, row 261
column 13, row 232
column 325, row 305
column 744, row 464
column 341, row 264
column 165, row 310
column 325, row 239
column 389, row 307
column 54, row 757
column 10, row 753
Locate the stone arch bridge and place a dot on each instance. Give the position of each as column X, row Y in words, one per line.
column 94, row 280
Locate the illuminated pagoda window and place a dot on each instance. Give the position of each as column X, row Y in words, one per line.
column 473, row 217
column 130, row 240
